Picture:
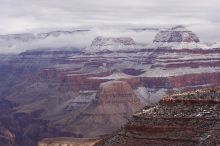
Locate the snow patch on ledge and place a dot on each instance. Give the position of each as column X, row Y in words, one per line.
column 114, row 76
column 183, row 45
column 159, row 72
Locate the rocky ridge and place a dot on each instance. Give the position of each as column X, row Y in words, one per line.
column 190, row 118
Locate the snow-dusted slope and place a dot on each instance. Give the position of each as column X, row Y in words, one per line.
column 113, row 44
column 176, row 34
column 179, row 38
column 179, row 45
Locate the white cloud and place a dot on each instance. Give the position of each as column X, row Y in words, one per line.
column 76, row 40
column 25, row 15
column 44, row 15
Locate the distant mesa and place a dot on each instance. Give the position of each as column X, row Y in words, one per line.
column 105, row 41
column 112, row 43
column 176, row 34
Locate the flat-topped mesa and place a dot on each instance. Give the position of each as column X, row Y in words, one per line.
column 176, row 34
column 112, row 43
column 115, row 102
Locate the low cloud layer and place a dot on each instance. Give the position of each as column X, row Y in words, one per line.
column 84, row 39
column 200, row 16
column 76, row 40
column 29, row 15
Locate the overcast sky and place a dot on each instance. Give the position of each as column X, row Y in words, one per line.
column 27, row 15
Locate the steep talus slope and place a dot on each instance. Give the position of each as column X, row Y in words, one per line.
column 181, row 119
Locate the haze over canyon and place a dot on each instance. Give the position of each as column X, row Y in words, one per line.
column 109, row 73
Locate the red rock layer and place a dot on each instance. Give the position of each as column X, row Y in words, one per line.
column 115, row 102
column 189, row 119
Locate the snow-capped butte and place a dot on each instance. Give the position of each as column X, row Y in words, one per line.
column 176, row 34
column 178, row 38
column 113, row 44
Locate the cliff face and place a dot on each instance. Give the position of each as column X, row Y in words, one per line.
column 183, row 119
column 115, row 102
column 116, row 92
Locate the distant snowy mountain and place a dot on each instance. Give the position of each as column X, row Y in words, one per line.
column 113, row 44
column 176, row 34
column 179, row 38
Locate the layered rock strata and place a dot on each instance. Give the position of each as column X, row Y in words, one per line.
column 182, row 119
column 115, row 102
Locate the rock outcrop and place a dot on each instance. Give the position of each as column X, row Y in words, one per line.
column 115, row 102
column 176, row 34
column 100, row 44
column 181, row 119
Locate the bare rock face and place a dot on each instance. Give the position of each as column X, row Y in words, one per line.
column 190, row 118
column 115, row 102
column 115, row 92
column 176, row 34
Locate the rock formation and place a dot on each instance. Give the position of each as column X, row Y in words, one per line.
column 115, row 102
column 112, row 44
column 176, row 34
column 181, row 119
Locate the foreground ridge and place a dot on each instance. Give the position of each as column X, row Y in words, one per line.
column 190, row 118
